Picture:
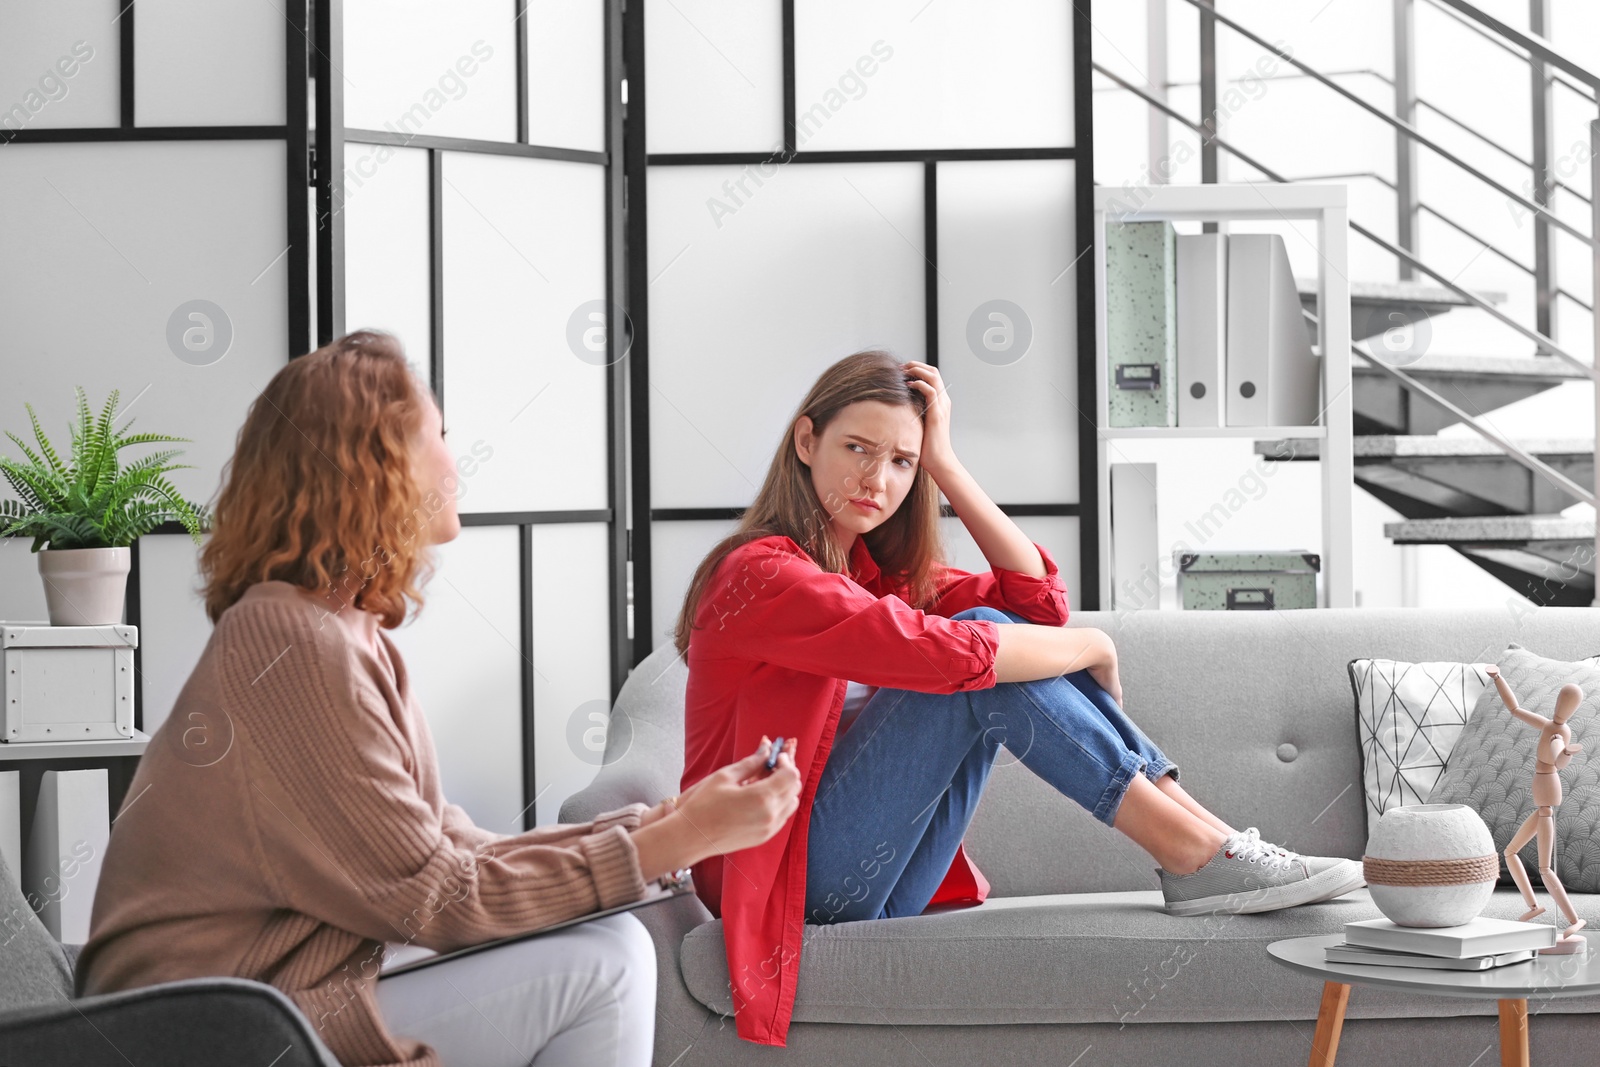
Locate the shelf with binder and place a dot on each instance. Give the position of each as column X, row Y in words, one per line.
column 1301, row 398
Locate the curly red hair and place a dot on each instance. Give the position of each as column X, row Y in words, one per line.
column 319, row 491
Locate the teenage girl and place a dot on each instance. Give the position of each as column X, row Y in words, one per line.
column 829, row 616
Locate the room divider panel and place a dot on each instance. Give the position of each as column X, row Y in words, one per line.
column 468, row 201
column 153, row 172
column 810, row 178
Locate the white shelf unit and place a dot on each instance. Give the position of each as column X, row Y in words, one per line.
column 1327, row 205
column 126, row 746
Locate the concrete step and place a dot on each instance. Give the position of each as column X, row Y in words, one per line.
column 1372, row 304
column 1474, row 383
column 1549, row 559
column 1442, row 477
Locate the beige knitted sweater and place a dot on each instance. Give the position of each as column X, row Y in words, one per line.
column 286, row 822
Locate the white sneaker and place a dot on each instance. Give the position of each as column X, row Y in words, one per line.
column 1251, row 875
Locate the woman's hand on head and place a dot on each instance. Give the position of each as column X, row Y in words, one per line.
column 937, row 454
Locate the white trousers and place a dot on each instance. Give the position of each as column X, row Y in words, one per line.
column 583, row 996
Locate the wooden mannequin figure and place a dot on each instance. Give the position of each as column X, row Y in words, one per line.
column 1555, row 751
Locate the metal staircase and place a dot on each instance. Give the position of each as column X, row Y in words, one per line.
column 1495, row 501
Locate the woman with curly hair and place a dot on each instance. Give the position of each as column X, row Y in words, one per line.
column 286, row 823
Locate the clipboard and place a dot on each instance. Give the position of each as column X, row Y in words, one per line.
column 683, row 889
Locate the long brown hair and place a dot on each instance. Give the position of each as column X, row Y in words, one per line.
column 319, row 491
column 906, row 547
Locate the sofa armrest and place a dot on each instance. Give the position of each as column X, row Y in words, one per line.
column 196, row 1022
column 643, row 764
column 610, row 791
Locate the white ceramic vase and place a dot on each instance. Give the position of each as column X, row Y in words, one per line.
column 84, row 586
column 1431, row 864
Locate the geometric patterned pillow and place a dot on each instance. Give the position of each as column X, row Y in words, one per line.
column 1408, row 717
column 1492, row 769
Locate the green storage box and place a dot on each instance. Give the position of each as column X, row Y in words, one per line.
column 1247, row 581
column 1141, row 324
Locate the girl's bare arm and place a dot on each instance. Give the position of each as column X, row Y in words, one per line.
column 1027, row 652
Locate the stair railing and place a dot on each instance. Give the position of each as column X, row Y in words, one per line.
column 1510, row 448
column 1535, row 46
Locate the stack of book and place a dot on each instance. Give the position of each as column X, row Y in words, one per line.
column 1475, row 946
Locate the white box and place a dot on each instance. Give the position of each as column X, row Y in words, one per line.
column 66, row 683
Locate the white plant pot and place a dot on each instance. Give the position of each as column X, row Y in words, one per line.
column 84, row 586
column 1462, row 877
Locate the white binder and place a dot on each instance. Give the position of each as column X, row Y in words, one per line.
column 1202, row 327
column 1272, row 373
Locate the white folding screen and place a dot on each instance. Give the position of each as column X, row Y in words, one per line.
column 95, row 271
column 431, row 68
column 524, row 249
column 478, row 208
column 202, row 62
column 387, row 279
column 566, row 93
column 964, row 74
column 571, row 660
column 1006, row 322
column 900, row 178
column 825, row 260
column 58, row 66
column 478, row 201
column 676, row 550
column 156, row 243
column 174, row 628
column 463, row 652
column 716, row 75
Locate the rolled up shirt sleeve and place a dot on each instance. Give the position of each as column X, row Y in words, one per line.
column 1039, row 600
column 777, row 606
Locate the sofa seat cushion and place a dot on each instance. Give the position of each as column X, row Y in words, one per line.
column 1083, row 958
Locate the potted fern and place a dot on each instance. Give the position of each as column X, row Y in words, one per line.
column 90, row 510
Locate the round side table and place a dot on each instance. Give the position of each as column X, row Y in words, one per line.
column 1512, row 985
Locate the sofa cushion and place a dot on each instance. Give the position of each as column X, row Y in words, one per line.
column 1255, row 708
column 1493, row 766
column 1079, row 958
column 1408, row 717
column 36, row 970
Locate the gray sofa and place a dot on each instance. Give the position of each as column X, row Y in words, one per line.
column 1072, row 955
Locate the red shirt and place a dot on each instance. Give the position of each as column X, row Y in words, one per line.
column 777, row 639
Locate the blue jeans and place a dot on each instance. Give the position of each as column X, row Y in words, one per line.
column 903, row 780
